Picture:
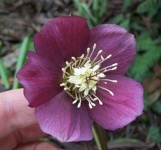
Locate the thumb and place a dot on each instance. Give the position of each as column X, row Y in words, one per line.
column 37, row 146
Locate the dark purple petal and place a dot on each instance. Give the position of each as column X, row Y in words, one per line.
column 115, row 40
column 40, row 79
column 63, row 38
column 120, row 109
column 63, row 120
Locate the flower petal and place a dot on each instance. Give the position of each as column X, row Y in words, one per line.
column 115, row 40
column 63, row 38
column 40, row 79
column 63, row 120
column 120, row 109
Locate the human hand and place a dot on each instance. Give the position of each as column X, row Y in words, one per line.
column 19, row 129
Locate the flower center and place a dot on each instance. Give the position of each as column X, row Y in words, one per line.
column 81, row 77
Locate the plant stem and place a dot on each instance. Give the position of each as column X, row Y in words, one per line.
column 100, row 137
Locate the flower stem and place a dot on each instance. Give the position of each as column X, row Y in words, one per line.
column 100, row 137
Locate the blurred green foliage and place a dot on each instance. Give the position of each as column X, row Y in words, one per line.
column 3, row 72
column 21, row 58
column 157, row 107
column 93, row 14
column 149, row 6
column 154, row 134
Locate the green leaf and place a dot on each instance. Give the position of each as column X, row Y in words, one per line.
column 157, row 106
column 95, row 5
column 154, row 134
column 3, row 72
column 146, row 101
column 21, row 58
column 148, row 5
column 77, row 4
column 145, row 43
column 103, row 7
column 87, row 12
column 125, row 24
column 95, row 8
column 0, row 47
column 117, row 19
column 137, row 26
column 122, row 20
column 120, row 139
column 93, row 15
column 126, row 4
column 142, row 64
column 4, row 75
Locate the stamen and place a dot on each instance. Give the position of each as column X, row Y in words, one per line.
column 85, row 59
column 113, row 65
column 81, row 77
column 114, row 81
column 69, row 94
column 74, row 58
column 109, row 56
column 88, row 50
column 66, row 88
column 75, row 101
column 63, row 84
column 64, row 72
column 99, row 74
column 79, row 104
column 106, row 90
column 80, row 100
column 97, row 56
column 96, row 98
column 94, row 47
column 91, row 105
column 74, row 64
column 106, row 70
column 82, row 56
column 67, row 63
column 102, row 59
column 76, row 98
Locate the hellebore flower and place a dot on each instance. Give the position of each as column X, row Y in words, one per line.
column 76, row 76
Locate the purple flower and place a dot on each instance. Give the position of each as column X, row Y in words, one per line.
column 76, row 76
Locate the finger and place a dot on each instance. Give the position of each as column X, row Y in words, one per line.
column 37, row 146
column 21, row 136
column 14, row 113
column 18, row 123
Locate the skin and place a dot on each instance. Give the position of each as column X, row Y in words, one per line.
column 19, row 129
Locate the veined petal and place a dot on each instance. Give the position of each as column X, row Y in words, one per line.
column 120, row 109
column 40, row 79
column 63, row 120
column 62, row 38
column 115, row 40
